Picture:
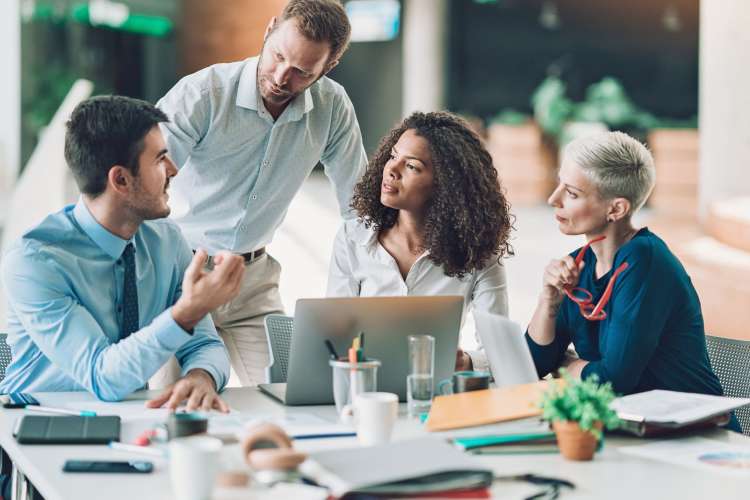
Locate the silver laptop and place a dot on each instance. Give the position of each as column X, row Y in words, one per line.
column 507, row 352
column 386, row 323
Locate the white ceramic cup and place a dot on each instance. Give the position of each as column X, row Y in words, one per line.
column 193, row 464
column 374, row 416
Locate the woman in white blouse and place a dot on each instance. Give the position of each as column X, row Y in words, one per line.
column 432, row 220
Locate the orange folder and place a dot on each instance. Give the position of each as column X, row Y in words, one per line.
column 489, row 406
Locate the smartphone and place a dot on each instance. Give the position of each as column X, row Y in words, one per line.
column 19, row 400
column 126, row 467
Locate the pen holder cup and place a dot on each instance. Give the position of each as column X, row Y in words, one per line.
column 350, row 379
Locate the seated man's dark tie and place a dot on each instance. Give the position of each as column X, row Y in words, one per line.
column 129, row 294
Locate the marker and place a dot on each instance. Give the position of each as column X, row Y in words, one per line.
column 62, row 411
column 331, row 349
column 131, row 448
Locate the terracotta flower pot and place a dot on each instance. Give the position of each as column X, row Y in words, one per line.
column 574, row 442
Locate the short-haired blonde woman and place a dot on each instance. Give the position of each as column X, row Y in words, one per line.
column 623, row 299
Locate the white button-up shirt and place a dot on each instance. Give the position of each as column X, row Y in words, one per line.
column 360, row 266
column 240, row 169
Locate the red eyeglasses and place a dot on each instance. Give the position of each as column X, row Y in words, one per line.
column 583, row 297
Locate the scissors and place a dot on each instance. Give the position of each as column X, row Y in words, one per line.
column 584, row 298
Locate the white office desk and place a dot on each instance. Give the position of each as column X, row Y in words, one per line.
column 611, row 475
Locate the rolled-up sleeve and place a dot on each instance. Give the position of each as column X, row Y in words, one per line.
column 188, row 109
column 344, row 158
column 547, row 358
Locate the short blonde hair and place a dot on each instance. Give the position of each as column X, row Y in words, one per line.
column 619, row 166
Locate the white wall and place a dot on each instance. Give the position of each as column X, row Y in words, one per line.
column 724, row 100
column 10, row 97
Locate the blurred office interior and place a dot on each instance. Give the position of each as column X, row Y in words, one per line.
column 528, row 74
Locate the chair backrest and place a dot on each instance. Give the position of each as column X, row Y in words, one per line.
column 730, row 360
column 4, row 355
column 279, row 331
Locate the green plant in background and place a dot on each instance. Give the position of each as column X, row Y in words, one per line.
column 606, row 102
column 583, row 401
column 551, row 106
column 509, row 117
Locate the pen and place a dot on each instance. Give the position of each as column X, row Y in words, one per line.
column 63, row 411
column 131, row 448
column 331, row 349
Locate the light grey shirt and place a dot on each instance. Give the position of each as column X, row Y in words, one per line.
column 360, row 266
column 239, row 170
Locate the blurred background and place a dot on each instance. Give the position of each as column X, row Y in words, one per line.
column 529, row 75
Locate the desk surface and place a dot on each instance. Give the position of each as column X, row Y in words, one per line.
column 612, row 474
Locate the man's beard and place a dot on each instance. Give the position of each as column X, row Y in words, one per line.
column 270, row 97
column 144, row 207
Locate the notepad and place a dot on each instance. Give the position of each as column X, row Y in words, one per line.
column 468, row 409
column 44, row 429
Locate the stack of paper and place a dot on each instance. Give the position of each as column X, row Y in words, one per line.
column 657, row 411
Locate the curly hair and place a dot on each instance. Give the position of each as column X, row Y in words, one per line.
column 468, row 219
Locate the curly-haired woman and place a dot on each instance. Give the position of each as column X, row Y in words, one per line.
column 432, row 220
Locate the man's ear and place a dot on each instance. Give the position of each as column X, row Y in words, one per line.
column 619, row 208
column 330, row 66
column 119, row 179
column 269, row 28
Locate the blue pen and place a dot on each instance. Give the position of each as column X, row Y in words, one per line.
column 63, row 411
column 324, row 436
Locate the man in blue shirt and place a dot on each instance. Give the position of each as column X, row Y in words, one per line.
column 102, row 293
column 245, row 136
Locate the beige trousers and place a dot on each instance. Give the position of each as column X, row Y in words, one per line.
column 240, row 325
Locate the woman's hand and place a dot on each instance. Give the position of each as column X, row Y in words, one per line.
column 559, row 274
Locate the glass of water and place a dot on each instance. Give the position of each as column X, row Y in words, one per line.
column 419, row 382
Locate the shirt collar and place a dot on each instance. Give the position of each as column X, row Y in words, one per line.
column 111, row 244
column 248, row 96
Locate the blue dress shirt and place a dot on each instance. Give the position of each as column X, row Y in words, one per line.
column 652, row 337
column 240, row 169
column 64, row 283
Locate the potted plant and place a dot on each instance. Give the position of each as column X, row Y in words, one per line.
column 578, row 411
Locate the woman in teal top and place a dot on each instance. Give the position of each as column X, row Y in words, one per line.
column 623, row 299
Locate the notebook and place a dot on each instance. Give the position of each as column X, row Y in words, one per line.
column 46, row 429
column 659, row 411
column 425, row 466
column 468, row 409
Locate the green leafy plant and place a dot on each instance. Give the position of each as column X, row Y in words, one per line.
column 583, row 401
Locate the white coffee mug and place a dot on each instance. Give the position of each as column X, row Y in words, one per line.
column 374, row 416
column 193, row 464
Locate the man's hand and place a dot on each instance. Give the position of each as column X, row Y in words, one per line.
column 463, row 361
column 204, row 291
column 198, row 387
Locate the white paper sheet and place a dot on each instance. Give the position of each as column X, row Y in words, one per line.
column 297, row 425
column 669, row 406
column 696, row 452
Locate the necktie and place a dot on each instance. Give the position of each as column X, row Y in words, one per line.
column 129, row 294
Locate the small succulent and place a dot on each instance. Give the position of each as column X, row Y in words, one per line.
column 583, row 401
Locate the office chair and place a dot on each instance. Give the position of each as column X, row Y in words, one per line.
column 730, row 360
column 4, row 355
column 279, row 331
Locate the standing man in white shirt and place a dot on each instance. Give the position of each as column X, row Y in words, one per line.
column 245, row 136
